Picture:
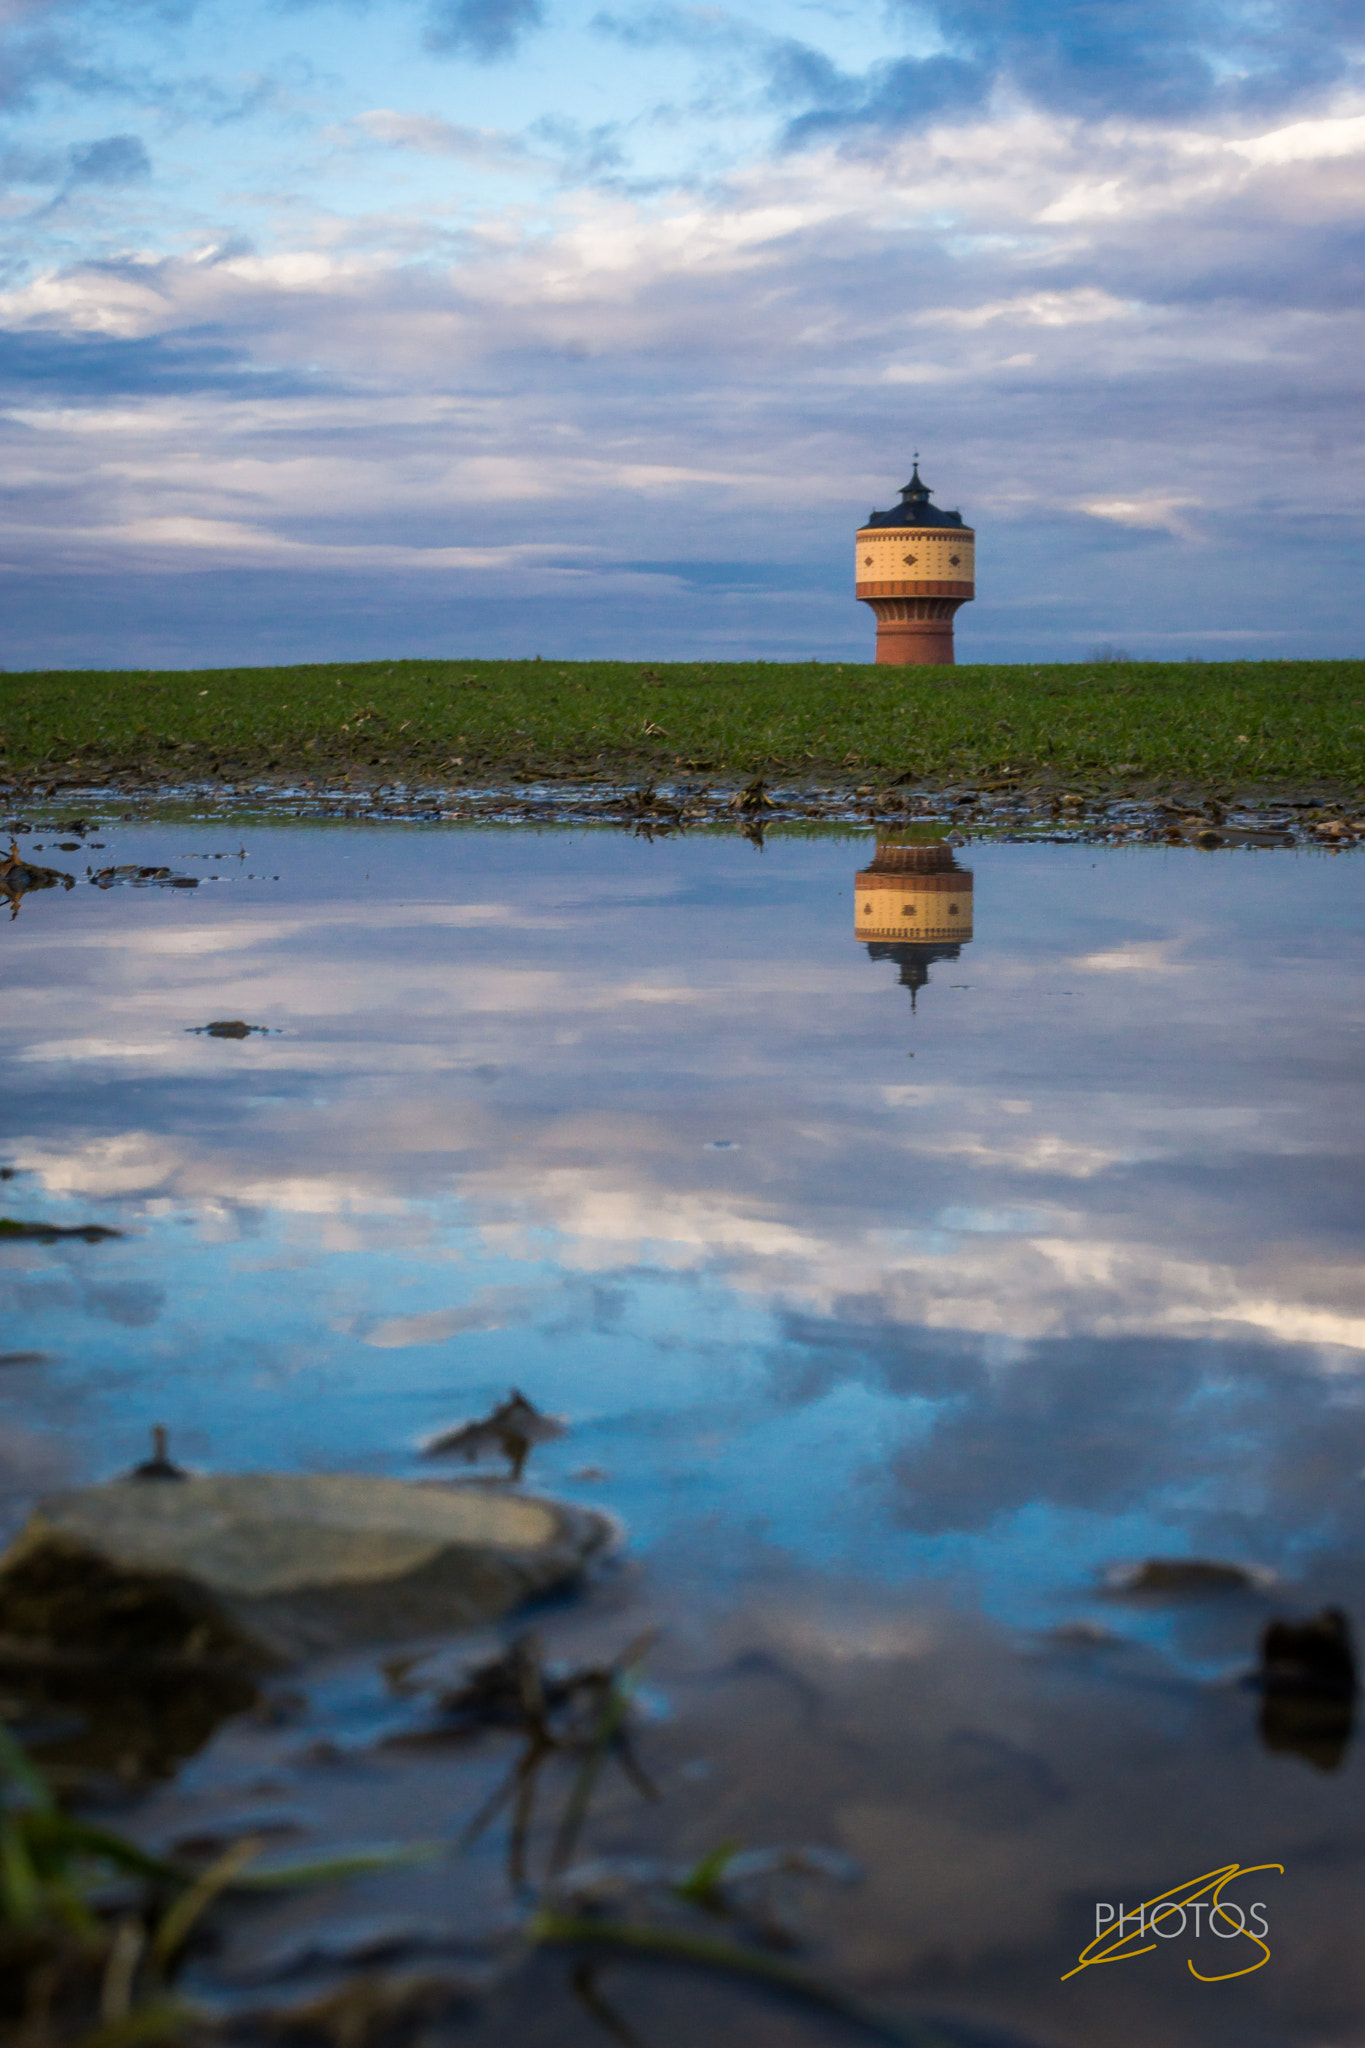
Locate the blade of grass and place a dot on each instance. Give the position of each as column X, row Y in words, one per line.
column 527, row 1778
column 19, row 1889
column 177, row 1921
column 699, row 1885
column 666, row 1944
column 125, row 1953
column 614, row 1710
column 337, row 1869
column 490, row 1809
column 594, row 2001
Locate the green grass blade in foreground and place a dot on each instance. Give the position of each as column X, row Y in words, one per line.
column 177, row 1922
column 337, row 1869
column 708, row 1952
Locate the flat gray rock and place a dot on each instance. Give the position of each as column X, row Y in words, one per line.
column 260, row 1568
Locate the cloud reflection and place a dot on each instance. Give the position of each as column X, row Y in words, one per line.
column 1094, row 1260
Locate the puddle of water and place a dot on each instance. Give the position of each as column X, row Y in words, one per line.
column 909, row 1238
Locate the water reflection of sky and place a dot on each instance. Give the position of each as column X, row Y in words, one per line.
column 1060, row 1268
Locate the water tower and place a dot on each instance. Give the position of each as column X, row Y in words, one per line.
column 916, row 565
column 913, row 905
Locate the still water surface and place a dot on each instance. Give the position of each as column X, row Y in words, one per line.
column 895, row 1291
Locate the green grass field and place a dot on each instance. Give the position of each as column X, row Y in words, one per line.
column 1249, row 724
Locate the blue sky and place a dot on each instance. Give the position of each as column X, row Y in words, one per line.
column 517, row 326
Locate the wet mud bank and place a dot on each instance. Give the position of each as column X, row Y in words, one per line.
column 1205, row 815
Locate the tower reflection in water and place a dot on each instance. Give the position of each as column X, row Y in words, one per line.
column 913, row 905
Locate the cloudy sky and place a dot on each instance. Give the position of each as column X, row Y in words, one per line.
column 508, row 326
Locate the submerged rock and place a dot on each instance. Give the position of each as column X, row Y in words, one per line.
column 1167, row 1576
column 1316, row 1655
column 254, row 1569
column 1307, row 1677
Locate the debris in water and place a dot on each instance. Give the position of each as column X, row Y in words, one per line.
column 158, row 1466
column 48, row 1233
column 19, row 876
column 753, row 797
column 1308, row 1681
column 583, row 1714
column 130, row 875
column 1168, row 1576
column 24, row 1357
column 1312, row 1656
column 512, row 1429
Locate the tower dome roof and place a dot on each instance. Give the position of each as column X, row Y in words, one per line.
column 916, row 507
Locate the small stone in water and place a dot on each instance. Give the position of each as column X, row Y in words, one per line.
column 1179, row 1575
column 1307, row 1677
column 1309, row 1656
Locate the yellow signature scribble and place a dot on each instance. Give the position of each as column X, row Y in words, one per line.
column 1205, row 1893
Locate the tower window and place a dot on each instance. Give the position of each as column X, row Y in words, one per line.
column 867, row 910
column 952, row 910
column 907, row 910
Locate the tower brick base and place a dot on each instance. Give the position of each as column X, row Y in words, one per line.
column 915, row 631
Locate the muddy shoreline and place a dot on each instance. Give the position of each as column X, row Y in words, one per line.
column 1200, row 814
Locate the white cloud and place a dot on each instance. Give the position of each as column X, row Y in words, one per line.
column 492, row 1308
column 1306, row 141
column 1080, row 307
column 1135, row 956
column 1161, row 513
column 431, row 135
column 53, row 1049
column 919, row 373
